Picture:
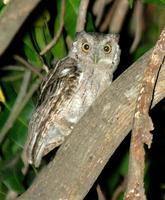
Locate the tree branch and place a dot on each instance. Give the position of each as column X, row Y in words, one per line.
column 80, row 160
column 121, row 9
column 142, row 123
column 26, row 64
column 82, row 15
column 12, row 19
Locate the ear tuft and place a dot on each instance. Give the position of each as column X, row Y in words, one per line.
column 116, row 37
column 80, row 33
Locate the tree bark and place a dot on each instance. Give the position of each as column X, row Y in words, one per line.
column 12, row 19
column 80, row 160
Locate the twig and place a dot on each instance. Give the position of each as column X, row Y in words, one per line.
column 30, row 92
column 28, row 65
column 13, row 68
column 11, row 163
column 16, row 108
column 11, row 78
column 82, row 157
column 121, row 188
column 69, row 41
column 12, row 19
column 142, row 124
column 82, row 15
column 118, row 15
column 100, row 193
column 137, row 24
column 104, row 26
column 11, row 195
column 56, row 37
column 98, row 10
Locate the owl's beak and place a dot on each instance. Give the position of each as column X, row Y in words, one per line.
column 95, row 58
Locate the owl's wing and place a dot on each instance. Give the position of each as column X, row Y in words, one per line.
column 56, row 89
column 60, row 80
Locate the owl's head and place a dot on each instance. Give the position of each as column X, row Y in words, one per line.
column 96, row 48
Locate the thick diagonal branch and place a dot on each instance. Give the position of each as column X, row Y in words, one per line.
column 12, row 19
column 80, row 160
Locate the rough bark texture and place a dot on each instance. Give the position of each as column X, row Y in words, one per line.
column 142, row 124
column 80, row 160
column 12, row 19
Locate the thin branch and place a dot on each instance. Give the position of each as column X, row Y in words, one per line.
column 12, row 19
column 30, row 92
column 57, row 36
column 137, row 24
column 105, row 24
column 142, row 124
column 121, row 188
column 69, row 41
column 82, row 157
column 12, row 68
column 100, row 193
column 6, row 1
column 11, row 78
column 11, row 195
column 98, row 10
column 28, row 65
column 82, row 15
column 118, row 15
column 97, row 4
column 15, row 110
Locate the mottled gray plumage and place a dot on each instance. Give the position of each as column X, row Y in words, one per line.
column 69, row 90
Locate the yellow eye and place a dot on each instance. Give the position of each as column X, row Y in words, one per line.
column 107, row 48
column 85, row 47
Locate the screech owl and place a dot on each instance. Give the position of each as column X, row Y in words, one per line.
column 69, row 90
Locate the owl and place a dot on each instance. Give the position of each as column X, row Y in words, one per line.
column 69, row 90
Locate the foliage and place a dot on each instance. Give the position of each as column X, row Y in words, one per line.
column 36, row 36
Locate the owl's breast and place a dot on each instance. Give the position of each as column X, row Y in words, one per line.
column 91, row 84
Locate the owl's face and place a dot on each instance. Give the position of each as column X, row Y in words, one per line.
column 96, row 48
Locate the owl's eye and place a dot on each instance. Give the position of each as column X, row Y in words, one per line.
column 85, row 47
column 107, row 48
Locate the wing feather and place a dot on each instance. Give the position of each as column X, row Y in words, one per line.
column 56, row 89
column 58, row 79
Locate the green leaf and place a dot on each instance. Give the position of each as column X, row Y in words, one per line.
column 2, row 7
column 44, row 18
column 59, row 50
column 30, row 51
column 154, row 1
column 141, row 50
column 71, row 14
column 42, row 37
column 124, row 165
column 3, row 191
column 17, row 134
column 2, row 96
column 13, row 178
column 131, row 3
column 90, row 25
column 121, row 196
column 39, row 37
